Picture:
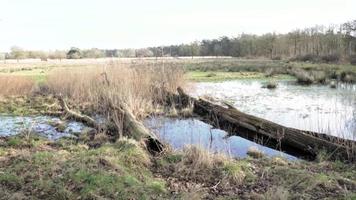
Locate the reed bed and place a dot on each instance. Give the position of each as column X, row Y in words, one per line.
column 139, row 87
column 15, row 85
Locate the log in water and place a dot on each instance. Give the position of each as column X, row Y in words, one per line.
column 300, row 143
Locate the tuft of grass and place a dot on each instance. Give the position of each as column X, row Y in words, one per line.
column 255, row 153
column 277, row 193
column 11, row 181
column 197, row 165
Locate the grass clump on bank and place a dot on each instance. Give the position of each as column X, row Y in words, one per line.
column 195, row 172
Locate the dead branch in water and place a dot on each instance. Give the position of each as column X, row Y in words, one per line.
column 77, row 116
column 300, row 143
column 131, row 127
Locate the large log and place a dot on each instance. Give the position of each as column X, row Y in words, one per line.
column 133, row 128
column 299, row 143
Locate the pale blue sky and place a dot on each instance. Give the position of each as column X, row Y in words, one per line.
column 60, row 24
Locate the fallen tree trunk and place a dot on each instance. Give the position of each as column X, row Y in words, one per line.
column 299, row 143
column 132, row 127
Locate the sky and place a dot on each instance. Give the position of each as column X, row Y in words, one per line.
column 61, row 24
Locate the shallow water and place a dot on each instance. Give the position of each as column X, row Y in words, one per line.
column 314, row 108
column 182, row 132
column 12, row 125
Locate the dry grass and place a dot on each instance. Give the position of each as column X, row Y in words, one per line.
column 198, row 165
column 139, row 87
column 15, row 85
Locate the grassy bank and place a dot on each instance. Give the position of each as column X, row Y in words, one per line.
column 307, row 73
column 34, row 168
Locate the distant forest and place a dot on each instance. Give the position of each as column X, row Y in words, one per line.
column 320, row 43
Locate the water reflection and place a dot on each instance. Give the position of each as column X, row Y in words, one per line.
column 314, row 108
column 181, row 132
column 11, row 125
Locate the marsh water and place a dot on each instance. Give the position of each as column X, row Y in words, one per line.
column 315, row 108
column 43, row 125
column 182, row 132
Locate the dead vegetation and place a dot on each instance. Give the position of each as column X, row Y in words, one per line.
column 210, row 176
column 139, row 87
column 15, row 85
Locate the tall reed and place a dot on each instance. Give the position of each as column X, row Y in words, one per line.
column 15, row 85
column 140, row 87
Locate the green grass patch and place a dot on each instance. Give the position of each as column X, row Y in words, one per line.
column 37, row 74
column 25, row 106
column 113, row 171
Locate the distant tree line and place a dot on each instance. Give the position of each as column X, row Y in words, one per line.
column 319, row 43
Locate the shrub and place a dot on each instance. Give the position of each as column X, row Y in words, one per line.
column 211, row 75
column 277, row 58
column 303, row 76
column 270, row 85
column 307, row 58
column 319, row 76
column 348, row 77
column 330, row 58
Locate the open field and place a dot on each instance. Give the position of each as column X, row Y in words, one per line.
column 199, row 68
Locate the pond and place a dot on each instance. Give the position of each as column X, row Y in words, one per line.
column 43, row 125
column 182, row 132
column 314, row 108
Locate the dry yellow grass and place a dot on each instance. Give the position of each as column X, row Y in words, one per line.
column 139, row 87
column 15, row 85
